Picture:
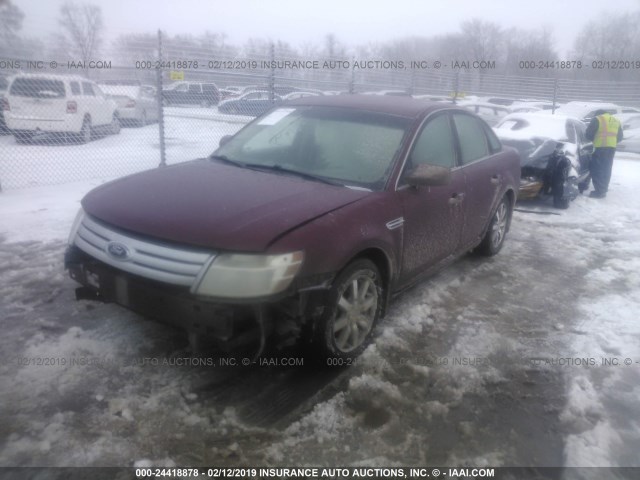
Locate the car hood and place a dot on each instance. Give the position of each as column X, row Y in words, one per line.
column 208, row 204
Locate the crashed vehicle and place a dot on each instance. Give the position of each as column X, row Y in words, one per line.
column 303, row 224
column 554, row 154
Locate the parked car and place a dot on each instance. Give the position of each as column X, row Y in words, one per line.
column 396, row 93
column 489, row 112
column 303, row 223
column 554, row 154
column 135, row 105
column 191, row 93
column 294, row 95
column 4, row 85
column 631, row 141
column 250, row 104
column 65, row 104
column 585, row 111
column 150, row 90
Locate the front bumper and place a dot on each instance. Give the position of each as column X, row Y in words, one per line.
column 70, row 123
column 229, row 323
column 172, row 305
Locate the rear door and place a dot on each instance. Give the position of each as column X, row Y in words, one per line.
column 433, row 216
column 87, row 103
column 210, row 93
column 194, row 94
column 480, row 159
column 38, row 99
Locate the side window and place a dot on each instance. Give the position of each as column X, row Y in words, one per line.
column 494, row 143
column 75, row 88
column 471, row 134
column 183, row 87
column 208, row 87
column 87, row 89
column 435, row 144
column 194, row 88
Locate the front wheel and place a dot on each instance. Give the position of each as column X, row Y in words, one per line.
column 354, row 306
column 494, row 238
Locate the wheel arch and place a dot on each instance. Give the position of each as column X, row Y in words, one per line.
column 384, row 264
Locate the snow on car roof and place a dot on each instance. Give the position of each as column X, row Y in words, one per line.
column 579, row 109
column 121, row 90
column 522, row 126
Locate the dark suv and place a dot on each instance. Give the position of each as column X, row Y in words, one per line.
column 304, row 223
column 191, row 93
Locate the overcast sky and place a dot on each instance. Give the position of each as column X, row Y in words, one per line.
column 354, row 22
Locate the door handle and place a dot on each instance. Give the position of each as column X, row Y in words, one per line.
column 456, row 199
column 496, row 179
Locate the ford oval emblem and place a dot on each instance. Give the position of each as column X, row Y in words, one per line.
column 118, row 251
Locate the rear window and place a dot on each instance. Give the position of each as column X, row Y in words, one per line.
column 37, row 88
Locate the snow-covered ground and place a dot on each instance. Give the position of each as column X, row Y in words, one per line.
column 189, row 133
column 517, row 360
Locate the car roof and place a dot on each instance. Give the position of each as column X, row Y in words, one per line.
column 125, row 90
column 48, row 76
column 582, row 108
column 389, row 104
column 538, row 124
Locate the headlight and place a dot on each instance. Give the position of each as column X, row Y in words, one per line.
column 233, row 275
column 75, row 226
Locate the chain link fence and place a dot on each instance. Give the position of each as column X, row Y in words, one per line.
column 154, row 105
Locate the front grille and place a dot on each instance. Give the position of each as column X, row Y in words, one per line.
column 173, row 265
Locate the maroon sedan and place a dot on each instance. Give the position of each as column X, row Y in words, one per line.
column 304, row 223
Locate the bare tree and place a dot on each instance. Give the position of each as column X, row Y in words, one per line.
column 333, row 48
column 610, row 38
column 10, row 24
column 529, row 46
column 83, row 28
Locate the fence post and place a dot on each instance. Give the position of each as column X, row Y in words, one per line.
column 272, row 75
column 456, row 86
column 352, row 80
column 555, row 95
column 412, row 86
column 163, row 153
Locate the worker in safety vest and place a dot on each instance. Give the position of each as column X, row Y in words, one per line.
column 605, row 132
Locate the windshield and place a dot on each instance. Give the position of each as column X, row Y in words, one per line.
column 37, row 88
column 353, row 148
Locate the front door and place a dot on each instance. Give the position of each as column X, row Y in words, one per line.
column 434, row 215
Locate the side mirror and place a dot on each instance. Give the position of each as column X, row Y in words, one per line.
column 429, row 175
column 225, row 139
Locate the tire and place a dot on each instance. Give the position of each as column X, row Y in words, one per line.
column 347, row 323
column 85, row 132
column 494, row 237
column 115, row 125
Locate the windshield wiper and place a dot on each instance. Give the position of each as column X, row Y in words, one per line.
column 226, row 159
column 280, row 168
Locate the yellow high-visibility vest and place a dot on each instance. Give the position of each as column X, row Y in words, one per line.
column 607, row 134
